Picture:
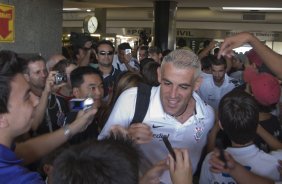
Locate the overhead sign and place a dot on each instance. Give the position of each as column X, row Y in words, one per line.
column 7, row 30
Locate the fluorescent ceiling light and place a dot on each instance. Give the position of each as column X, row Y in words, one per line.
column 88, row 10
column 71, row 9
column 252, row 8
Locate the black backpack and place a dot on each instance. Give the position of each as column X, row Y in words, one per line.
column 142, row 102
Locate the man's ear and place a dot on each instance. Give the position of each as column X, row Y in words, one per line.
column 3, row 121
column 197, row 83
column 26, row 76
column 75, row 92
column 219, row 124
column 159, row 74
column 47, row 168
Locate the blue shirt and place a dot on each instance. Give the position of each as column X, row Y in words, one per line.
column 11, row 170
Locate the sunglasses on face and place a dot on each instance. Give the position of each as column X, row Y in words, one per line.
column 103, row 53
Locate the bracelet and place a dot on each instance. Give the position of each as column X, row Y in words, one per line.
column 67, row 131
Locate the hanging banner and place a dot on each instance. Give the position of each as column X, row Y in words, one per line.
column 7, row 26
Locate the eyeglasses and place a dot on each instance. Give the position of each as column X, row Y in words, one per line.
column 103, row 53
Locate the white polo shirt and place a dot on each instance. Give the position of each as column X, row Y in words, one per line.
column 211, row 93
column 251, row 157
column 192, row 134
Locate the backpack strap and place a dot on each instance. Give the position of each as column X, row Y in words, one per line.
column 142, row 102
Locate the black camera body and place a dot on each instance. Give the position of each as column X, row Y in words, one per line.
column 60, row 78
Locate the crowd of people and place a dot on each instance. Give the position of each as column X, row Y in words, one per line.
column 77, row 121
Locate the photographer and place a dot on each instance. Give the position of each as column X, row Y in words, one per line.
column 82, row 48
column 87, row 83
column 50, row 112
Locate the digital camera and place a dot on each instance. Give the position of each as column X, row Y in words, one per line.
column 60, row 78
column 78, row 104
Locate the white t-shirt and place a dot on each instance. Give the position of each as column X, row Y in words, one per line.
column 251, row 157
column 192, row 134
column 211, row 93
column 122, row 67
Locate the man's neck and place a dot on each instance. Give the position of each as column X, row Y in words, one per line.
column 105, row 70
column 5, row 140
column 36, row 91
column 219, row 83
column 188, row 112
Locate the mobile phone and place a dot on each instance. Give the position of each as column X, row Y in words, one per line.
column 169, row 147
column 127, row 51
column 219, row 146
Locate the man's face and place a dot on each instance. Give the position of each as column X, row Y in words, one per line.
column 21, row 102
column 121, row 55
column 176, row 87
column 155, row 56
column 37, row 74
column 141, row 55
column 105, row 55
column 92, row 86
column 218, row 72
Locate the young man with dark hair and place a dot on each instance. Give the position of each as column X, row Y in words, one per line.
column 116, row 160
column 142, row 52
column 215, row 86
column 104, row 55
column 113, row 160
column 155, row 53
column 123, row 60
column 17, row 104
column 86, row 82
column 238, row 117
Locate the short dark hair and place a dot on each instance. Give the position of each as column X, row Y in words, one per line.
column 144, row 47
column 106, row 42
column 110, row 161
column 32, row 59
column 62, row 65
column 10, row 66
column 124, row 46
column 150, row 74
column 239, row 116
column 77, row 74
column 220, row 61
column 207, row 61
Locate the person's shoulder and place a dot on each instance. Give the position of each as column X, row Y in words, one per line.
column 233, row 81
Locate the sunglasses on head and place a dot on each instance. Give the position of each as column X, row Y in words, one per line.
column 103, row 53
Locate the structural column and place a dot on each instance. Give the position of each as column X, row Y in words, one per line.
column 101, row 15
column 165, row 24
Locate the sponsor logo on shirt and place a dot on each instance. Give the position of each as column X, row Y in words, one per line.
column 160, row 135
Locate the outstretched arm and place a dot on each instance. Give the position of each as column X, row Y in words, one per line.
column 35, row 148
column 271, row 59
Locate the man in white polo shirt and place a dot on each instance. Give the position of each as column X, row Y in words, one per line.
column 215, row 86
column 175, row 110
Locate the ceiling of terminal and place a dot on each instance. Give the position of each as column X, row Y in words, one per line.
column 181, row 3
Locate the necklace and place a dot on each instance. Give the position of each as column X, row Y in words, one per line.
column 176, row 116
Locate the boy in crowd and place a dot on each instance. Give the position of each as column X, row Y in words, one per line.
column 238, row 117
